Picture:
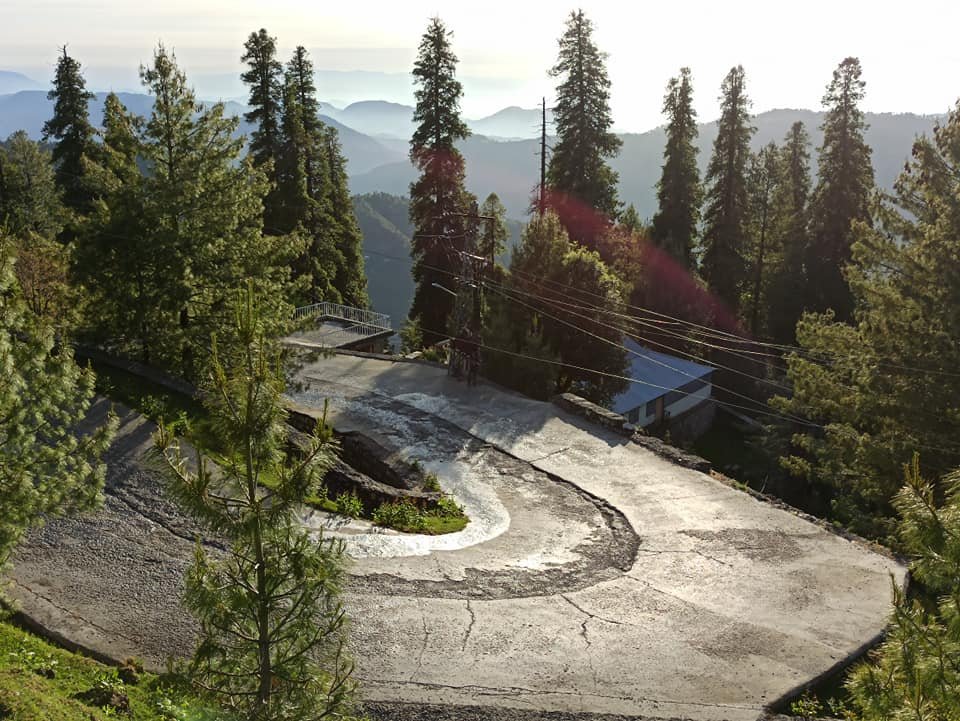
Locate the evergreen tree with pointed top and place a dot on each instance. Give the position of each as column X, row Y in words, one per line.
column 763, row 177
column 785, row 295
column 315, row 195
column 678, row 191
column 203, row 205
column 71, row 129
column 842, row 195
column 726, row 213
column 438, row 194
column 350, row 279
column 272, row 628
column 630, row 220
column 582, row 185
column 887, row 385
column 265, row 80
column 493, row 233
column 124, row 271
column 31, row 201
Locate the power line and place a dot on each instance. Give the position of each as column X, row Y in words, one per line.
column 636, row 353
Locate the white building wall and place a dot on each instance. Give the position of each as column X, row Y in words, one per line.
column 681, row 405
column 685, row 403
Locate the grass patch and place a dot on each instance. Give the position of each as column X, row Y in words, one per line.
column 40, row 682
column 188, row 418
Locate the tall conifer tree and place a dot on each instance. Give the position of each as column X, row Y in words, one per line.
column 493, row 233
column 70, row 127
column 725, row 215
column 265, row 79
column 678, row 192
column 583, row 187
column 350, row 279
column 889, row 386
column 785, row 295
column 439, row 194
column 31, row 201
column 763, row 177
column 305, row 183
column 203, row 205
column 843, row 192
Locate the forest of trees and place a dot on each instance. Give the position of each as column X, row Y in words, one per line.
column 830, row 310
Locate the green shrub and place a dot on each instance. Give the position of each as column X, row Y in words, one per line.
column 431, row 483
column 348, row 504
column 447, row 508
column 403, row 516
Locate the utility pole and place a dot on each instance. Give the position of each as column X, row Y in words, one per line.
column 542, row 197
column 467, row 317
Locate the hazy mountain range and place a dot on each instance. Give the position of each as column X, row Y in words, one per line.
column 375, row 136
column 510, row 167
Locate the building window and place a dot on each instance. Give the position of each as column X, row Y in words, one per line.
column 651, row 408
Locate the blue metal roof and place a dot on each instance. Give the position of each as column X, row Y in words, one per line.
column 662, row 372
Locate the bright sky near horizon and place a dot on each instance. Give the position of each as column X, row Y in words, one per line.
column 909, row 52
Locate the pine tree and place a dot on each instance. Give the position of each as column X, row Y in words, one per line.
column 116, row 259
column 545, row 260
column 915, row 673
column 678, row 192
column 842, row 195
column 438, row 195
column 789, row 247
column 307, row 189
column 46, row 468
column 494, row 233
column 265, row 79
column 887, row 386
column 31, row 201
column 70, row 127
column 271, row 621
column 203, row 214
column 763, row 177
column 350, row 279
column 725, row 215
column 630, row 220
column 583, row 187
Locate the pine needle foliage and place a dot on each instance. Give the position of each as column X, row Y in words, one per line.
column 49, row 463
column 272, row 627
column 915, row 674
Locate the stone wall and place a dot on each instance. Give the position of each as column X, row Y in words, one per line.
column 608, row 419
column 592, row 412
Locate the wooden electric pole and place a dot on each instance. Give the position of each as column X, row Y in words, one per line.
column 542, row 198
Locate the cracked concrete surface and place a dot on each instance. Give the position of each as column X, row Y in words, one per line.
column 617, row 586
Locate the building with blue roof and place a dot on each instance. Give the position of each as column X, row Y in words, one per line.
column 666, row 391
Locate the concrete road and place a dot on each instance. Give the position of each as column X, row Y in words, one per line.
column 595, row 579
column 716, row 603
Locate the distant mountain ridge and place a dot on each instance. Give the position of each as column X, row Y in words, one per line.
column 378, row 161
column 11, row 82
column 510, row 168
column 395, row 120
column 29, row 109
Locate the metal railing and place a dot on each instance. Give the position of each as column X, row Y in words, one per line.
column 368, row 320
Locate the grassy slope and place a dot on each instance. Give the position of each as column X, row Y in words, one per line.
column 26, row 695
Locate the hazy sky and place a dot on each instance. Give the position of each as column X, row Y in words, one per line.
column 909, row 52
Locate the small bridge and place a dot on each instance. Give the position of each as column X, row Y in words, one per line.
column 333, row 325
